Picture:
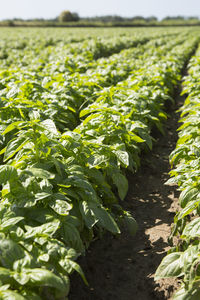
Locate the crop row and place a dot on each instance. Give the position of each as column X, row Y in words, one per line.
column 57, row 187
column 57, row 95
column 183, row 260
column 38, row 47
column 39, row 52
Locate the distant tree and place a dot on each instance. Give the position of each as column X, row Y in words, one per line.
column 138, row 18
column 176, row 18
column 10, row 23
column 151, row 19
column 75, row 17
column 67, row 16
column 193, row 18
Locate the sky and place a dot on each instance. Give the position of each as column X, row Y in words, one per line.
column 48, row 9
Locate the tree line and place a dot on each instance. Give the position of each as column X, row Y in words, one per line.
column 68, row 17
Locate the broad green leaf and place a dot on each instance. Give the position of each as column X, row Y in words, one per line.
column 12, row 126
column 105, row 219
column 14, row 146
column 187, row 195
column 7, row 173
column 192, row 229
column 42, row 196
column 5, row 276
column 184, row 294
column 42, row 230
column 42, row 277
column 70, row 265
column 192, row 205
column 88, row 216
column 91, row 117
column 10, row 222
column 146, row 137
column 170, row 266
column 85, row 112
column 40, row 173
column 10, row 251
column 61, row 207
column 72, row 237
column 121, row 183
column 4, row 287
column 96, row 160
column 137, row 139
column 188, row 257
column 131, row 224
column 123, row 157
column 50, row 126
column 34, row 115
column 11, row 295
column 21, row 277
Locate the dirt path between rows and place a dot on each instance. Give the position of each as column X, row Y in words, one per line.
column 122, row 268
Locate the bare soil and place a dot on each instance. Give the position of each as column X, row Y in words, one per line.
column 123, row 268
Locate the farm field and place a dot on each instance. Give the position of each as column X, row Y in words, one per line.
column 88, row 124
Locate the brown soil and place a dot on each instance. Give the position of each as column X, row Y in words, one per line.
column 123, row 268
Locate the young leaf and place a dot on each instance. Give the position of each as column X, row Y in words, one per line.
column 121, row 183
column 7, row 173
column 170, row 266
column 192, row 229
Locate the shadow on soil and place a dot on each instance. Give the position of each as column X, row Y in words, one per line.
column 122, row 268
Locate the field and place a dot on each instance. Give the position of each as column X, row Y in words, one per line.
column 88, row 125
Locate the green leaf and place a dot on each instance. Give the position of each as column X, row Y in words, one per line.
column 40, row 173
column 146, row 137
column 78, row 269
column 131, row 223
column 189, row 256
column 42, row 230
column 170, row 266
column 10, row 252
column 87, row 214
column 14, row 146
column 187, row 195
column 192, row 205
column 42, row 277
column 61, row 207
column 184, row 294
column 10, row 222
column 50, row 126
column 5, row 276
column 21, row 277
column 122, row 156
column 137, row 139
column 96, row 160
column 72, row 237
column 91, row 117
column 104, row 218
column 42, row 196
column 121, row 183
column 7, row 173
column 12, row 127
column 11, row 295
column 84, row 112
column 192, row 229
column 70, row 265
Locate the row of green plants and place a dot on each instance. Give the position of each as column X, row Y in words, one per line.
column 25, row 38
column 87, row 54
column 86, row 50
column 61, row 97
column 60, row 189
column 183, row 259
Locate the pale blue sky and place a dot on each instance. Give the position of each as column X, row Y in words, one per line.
column 52, row 8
